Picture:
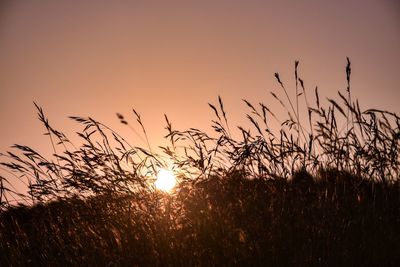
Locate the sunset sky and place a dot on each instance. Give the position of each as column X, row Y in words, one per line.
column 96, row 58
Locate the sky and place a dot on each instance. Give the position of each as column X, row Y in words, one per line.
column 96, row 58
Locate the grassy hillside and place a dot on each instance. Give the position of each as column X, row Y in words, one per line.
column 320, row 190
column 334, row 219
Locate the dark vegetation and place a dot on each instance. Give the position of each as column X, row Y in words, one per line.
column 320, row 191
column 338, row 220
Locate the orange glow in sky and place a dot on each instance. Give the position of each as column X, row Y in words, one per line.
column 96, row 58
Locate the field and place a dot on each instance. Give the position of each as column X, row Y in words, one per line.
column 336, row 220
column 323, row 190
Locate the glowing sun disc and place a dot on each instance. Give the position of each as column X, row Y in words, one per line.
column 165, row 180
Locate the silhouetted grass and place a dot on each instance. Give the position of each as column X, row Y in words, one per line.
column 323, row 189
column 334, row 219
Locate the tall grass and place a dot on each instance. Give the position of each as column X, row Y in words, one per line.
column 229, row 220
column 322, row 189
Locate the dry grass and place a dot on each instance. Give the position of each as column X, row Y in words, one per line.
column 321, row 190
column 334, row 219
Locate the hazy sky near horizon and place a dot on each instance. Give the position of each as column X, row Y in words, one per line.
column 96, row 58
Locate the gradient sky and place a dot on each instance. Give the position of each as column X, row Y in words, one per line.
column 97, row 58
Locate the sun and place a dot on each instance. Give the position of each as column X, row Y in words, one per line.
column 166, row 180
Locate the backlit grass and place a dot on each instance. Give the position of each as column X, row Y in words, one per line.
column 322, row 189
